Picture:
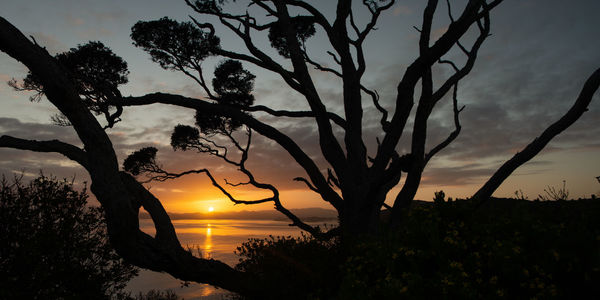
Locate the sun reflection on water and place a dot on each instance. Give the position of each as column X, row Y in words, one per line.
column 208, row 245
column 216, row 239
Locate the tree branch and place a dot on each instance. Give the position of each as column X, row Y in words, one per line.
column 405, row 100
column 72, row 152
column 579, row 107
column 454, row 134
column 283, row 140
column 308, row 184
column 330, row 147
column 294, row 114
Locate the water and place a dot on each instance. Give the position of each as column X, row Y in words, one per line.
column 214, row 239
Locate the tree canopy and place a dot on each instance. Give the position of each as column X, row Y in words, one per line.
column 357, row 175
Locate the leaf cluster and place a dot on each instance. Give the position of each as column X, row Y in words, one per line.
column 303, row 26
column 184, row 137
column 140, row 161
column 95, row 70
column 233, row 83
column 209, row 6
column 174, row 45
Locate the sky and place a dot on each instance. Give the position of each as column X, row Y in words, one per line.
column 528, row 74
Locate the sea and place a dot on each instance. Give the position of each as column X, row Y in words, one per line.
column 217, row 239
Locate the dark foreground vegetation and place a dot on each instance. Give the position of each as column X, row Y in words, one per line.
column 505, row 249
column 53, row 245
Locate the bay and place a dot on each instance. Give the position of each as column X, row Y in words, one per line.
column 217, row 239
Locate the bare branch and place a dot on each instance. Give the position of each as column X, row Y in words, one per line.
column 449, row 62
column 330, row 147
column 283, row 140
column 532, row 149
column 332, row 180
column 449, row 11
column 354, row 26
column 374, row 17
column 415, row 71
column 454, row 134
column 155, row 172
column 335, row 58
column 72, row 152
column 308, row 184
column 294, row 114
column 372, row 93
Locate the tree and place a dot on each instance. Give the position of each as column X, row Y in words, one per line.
column 356, row 183
column 54, row 246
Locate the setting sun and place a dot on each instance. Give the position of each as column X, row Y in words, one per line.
column 211, row 209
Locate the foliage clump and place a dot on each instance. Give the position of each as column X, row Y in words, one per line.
column 96, row 72
column 233, row 83
column 294, row 267
column 174, row 45
column 184, row 137
column 140, row 160
column 304, row 28
column 54, row 246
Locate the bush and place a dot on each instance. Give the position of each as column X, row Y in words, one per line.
column 511, row 249
column 54, row 246
column 294, row 267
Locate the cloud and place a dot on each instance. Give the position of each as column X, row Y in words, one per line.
column 4, row 78
column 17, row 161
column 27, row 130
column 94, row 33
column 74, row 20
column 402, row 10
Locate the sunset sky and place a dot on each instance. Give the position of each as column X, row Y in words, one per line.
column 527, row 75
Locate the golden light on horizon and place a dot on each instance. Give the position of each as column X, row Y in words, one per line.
column 211, row 209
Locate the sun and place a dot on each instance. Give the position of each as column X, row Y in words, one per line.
column 211, row 209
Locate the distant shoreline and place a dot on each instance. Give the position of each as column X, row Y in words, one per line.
column 306, row 214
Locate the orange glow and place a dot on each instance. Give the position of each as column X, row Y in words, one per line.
column 208, row 246
column 196, row 194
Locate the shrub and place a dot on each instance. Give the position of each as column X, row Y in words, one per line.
column 54, row 246
column 517, row 249
column 445, row 250
column 295, row 267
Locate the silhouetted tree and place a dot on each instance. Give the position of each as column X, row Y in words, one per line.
column 354, row 182
column 54, row 246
